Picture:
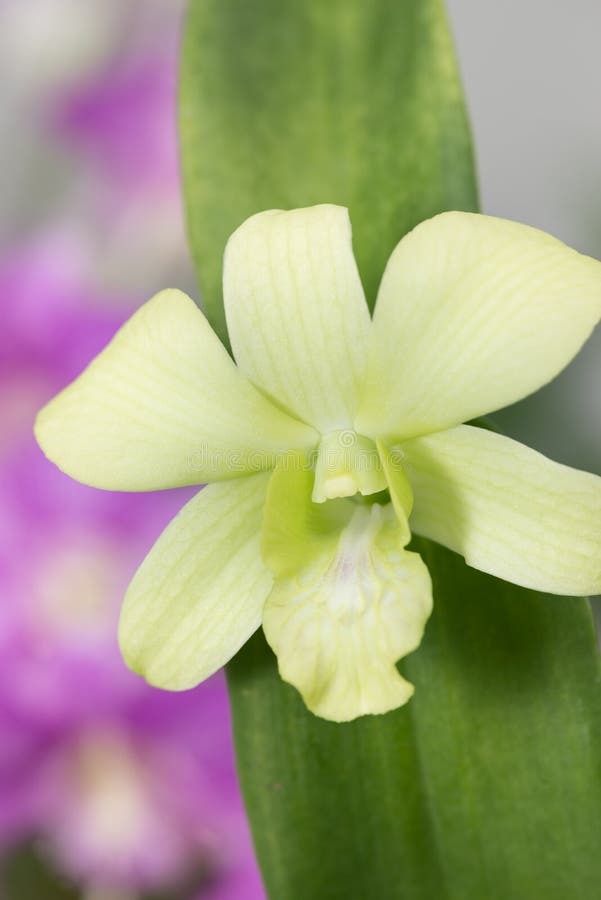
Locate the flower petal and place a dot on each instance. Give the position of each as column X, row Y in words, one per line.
column 346, row 605
column 295, row 529
column 164, row 405
column 507, row 509
column 296, row 312
column 198, row 595
column 473, row 313
column 399, row 487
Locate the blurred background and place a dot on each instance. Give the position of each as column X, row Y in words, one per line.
column 532, row 74
column 110, row 790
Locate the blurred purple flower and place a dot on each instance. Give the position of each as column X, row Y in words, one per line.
column 128, row 788
column 119, row 127
column 125, row 121
column 146, row 799
column 125, row 788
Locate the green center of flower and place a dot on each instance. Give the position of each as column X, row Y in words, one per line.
column 347, row 464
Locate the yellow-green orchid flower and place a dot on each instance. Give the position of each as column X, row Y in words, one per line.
column 330, row 438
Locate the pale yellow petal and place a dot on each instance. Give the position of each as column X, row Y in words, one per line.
column 507, row 509
column 198, row 595
column 473, row 313
column 164, row 405
column 340, row 622
column 296, row 313
column 399, row 486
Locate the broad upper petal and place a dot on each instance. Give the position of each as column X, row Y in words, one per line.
column 296, row 312
column 164, row 405
column 473, row 314
column 507, row 509
column 198, row 595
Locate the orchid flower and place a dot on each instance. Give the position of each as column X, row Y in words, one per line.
column 331, row 439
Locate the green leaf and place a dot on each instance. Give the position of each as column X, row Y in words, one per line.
column 27, row 873
column 487, row 784
column 485, row 787
column 289, row 104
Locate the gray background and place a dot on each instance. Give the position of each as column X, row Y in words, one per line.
column 532, row 74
